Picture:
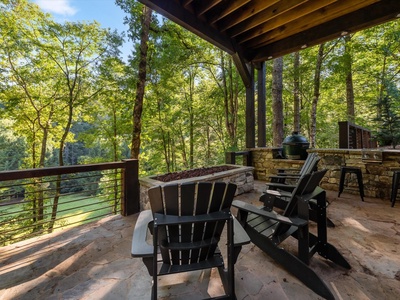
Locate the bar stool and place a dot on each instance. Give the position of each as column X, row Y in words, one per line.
column 395, row 186
column 354, row 170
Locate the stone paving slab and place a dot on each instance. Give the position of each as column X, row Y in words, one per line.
column 93, row 261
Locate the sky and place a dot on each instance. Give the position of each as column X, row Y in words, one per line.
column 106, row 12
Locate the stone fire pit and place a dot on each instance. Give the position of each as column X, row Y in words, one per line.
column 242, row 176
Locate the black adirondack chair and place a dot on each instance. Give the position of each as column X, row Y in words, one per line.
column 280, row 199
column 285, row 179
column 267, row 229
column 186, row 222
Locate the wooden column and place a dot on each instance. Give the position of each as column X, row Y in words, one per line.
column 261, row 106
column 130, row 187
column 250, row 113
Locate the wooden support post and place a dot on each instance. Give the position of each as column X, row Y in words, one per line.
column 130, row 187
column 250, row 114
column 261, row 106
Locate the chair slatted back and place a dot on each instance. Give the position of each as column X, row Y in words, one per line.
column 191, row 242
column 309, row 160
column 313, row 164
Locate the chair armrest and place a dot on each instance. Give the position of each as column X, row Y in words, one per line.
column 285, row 176
column 281, row 193
column 161, row 219
column 282, row 186
column 240, row 235
column 295, row 221
column 140, row 248
column 285, row 170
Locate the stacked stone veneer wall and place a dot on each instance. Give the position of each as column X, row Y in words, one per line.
column 241, row 176
column 377, row 176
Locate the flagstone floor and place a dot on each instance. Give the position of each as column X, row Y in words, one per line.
column 93, row 261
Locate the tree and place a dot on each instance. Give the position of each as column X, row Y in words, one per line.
column 33, row 88
column 49, row 68
column 296, row 92
column 347, row 58
column 139, row 20
column 231, row 92
column 74, row 48
column 141, row 83
column 388, row 123
column 317, row 81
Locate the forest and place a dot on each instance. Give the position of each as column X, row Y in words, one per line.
column 67, row 96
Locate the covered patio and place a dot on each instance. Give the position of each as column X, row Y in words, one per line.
column 93, row 261
column 255, row 31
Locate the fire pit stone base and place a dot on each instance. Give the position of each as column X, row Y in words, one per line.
column 242, row 176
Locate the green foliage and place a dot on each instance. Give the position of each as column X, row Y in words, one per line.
column 388, row 123
column 185, row 122
column 12, row 148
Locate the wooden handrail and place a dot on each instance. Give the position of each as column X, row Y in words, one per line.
column 52, row 171
column 130, row 178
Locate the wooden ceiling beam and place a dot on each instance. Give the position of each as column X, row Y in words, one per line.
column 186, row 3
column 176, row 13
column 369, row 16
column 229, row 9
column 247, row 11
column 310, row 20
column 263, row 17
column 203, row 6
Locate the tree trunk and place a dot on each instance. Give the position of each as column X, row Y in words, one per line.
column 138, row 107
column 317, row 79
column 230, row 101
column 191, row 135
column 349, row 80
column 183, row 146
column 190, row 110
column 382, row 87
column 296, row 92
column 40, row 186
column 165, row 139
column 208, row 151
column 277, row 104
column 67, row 128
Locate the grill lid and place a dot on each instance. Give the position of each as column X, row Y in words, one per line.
column 295, row 139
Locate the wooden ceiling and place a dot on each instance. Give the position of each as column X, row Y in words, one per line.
column 259, row 30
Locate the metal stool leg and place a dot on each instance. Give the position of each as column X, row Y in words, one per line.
column 395, row 186
column 358, row 173
column 360, row 184
column 341, row 184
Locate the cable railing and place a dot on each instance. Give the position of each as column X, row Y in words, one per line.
column 38, row 201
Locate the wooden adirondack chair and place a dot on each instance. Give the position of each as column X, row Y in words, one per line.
column 280, row 199
column 267, row 229
column 286, row 178
column 186, row 222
